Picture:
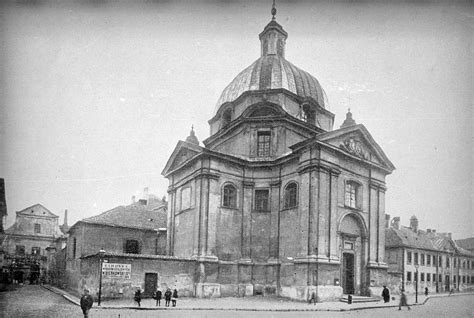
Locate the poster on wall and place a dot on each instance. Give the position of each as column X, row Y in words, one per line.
column 115, row 270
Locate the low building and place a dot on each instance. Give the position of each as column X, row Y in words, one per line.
column 26, row 241
column 425, row 258
column 131, row 233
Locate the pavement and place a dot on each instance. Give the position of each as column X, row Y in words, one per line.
column 253, row 303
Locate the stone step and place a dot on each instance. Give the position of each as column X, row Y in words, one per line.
column 359, row 299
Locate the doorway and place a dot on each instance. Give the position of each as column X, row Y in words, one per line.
column 348, row 273
column 151, row 280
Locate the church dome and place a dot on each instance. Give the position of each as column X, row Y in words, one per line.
column 272, row 71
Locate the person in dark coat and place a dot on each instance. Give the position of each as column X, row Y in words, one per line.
column 426, row 291
column 175, row 297
column 86, row 303
column 403, row 301
column 385, row 294
column 138, row 296
column 157, row 296
column 167, row 297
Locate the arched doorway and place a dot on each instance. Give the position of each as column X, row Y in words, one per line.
column 352, row 244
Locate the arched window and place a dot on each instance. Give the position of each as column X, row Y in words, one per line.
column 352, row 195
column 226, row 117
column 291, row 195
column 229, row 196
column 308, row 114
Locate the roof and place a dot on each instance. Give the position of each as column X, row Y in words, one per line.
column 405, row 237
column 467, row 243
column 273, row 72
column 37, row 210
column 151, row 216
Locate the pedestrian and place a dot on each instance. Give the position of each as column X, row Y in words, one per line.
column 451, row 291
column 157, row 295
column 138, row 297
column 167, row 297
column 385, row 294
column 426, row 291
column 86, row 303
column 403, row 301
column 313, row 298
column 175, row 297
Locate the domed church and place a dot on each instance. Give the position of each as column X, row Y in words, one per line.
column 277, row 202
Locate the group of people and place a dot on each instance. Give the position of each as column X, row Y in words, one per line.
column 158, row 295
column 169, row 296
column 403, row 297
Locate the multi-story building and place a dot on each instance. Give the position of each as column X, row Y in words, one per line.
column 26, row 241
column 278, row 201
column 426, row 258
column 129, row 233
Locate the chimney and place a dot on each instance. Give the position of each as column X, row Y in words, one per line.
column 414, row 224
column 65, row 218
column 145, row 195
column 396, row 222
column 387, row 221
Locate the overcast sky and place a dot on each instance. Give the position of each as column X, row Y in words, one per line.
column 96, row 94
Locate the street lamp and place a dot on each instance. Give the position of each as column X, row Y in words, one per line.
column 101, row 257
column 416, row 283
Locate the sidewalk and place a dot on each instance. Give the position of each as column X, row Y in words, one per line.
column 255, row 303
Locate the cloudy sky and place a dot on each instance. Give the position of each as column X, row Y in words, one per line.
column 96, row 94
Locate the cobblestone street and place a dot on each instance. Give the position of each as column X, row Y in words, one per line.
column 35, row 301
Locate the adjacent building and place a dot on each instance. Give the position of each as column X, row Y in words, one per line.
column 278, row 201
column 26, row 241
column 427, row 259
column 132, row 235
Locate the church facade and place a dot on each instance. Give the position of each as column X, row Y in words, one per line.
column 277, row 201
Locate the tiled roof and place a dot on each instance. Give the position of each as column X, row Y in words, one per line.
column 407, row 238
column 149, row 217
column 467, row 243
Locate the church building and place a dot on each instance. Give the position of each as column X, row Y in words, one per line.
column 277, row 201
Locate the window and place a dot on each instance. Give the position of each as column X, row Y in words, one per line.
column 74, row 246
column 440, row 261
column 415, row 276
column 263, row 144
column 229, row 197
column 352, row 194
column 37, row 228
column 464, row 279
column 36, row 251
column 291, row 194
column 416, row 258
column 422, row 277
column 422, row 259
column 408, row 257
column 20, row 249
column 440, row 278
column 434, row 278
column 454, row 262
column 408, row 276
column 185, row 198
column 226, row 118
column 447, row 262
column 428, row 277
column 261, row 200
column 132, row 247
column 428, row 260
column 308, row 114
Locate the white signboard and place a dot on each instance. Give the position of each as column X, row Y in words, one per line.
column 114, row 270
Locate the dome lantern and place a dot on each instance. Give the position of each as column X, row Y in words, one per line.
column 273, row 37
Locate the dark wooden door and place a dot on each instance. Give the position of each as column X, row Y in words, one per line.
column 348, row 273
column 151, row 280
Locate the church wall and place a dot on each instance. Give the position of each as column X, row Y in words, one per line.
column 183, row 235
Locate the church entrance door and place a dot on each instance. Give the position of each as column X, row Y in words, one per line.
column 348, row 273
column 151, row 280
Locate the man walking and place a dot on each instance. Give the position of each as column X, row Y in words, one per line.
column 403, row 301
column 385, row 294
column 86, row 303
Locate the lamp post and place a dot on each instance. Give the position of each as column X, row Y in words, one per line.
column 101, row 257
column 416, row 283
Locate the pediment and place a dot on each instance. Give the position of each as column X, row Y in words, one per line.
column 182, row 153
column 37, row 210
column 357, row 141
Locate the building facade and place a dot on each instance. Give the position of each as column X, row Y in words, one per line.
column 277, row 201
column 26, row 242
column 426, row 258
column 130, row 234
